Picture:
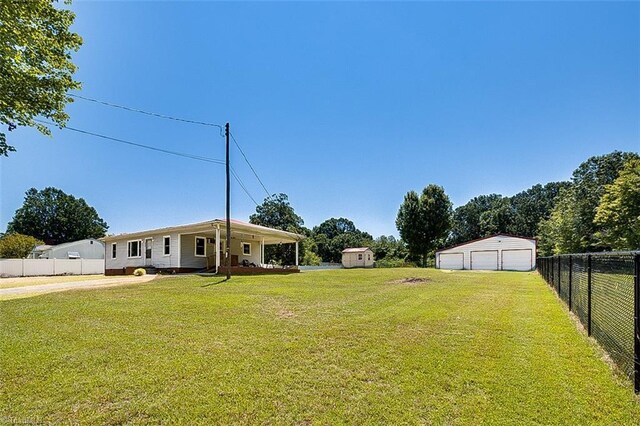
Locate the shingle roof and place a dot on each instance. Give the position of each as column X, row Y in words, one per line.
column 355, row 250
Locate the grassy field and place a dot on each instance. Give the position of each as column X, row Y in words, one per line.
column 329, row 347
column 29, row 281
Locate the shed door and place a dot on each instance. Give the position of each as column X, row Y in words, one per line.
column 484, row 260
column 517, row 260
column 451, row 261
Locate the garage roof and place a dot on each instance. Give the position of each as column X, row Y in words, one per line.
column 486, row 238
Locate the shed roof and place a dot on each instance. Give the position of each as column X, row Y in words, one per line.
column 356, row 250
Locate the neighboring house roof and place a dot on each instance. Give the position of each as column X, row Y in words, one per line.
column 42, row 247
column 71, row 243
column 270, row 235
column 356, row 250
column 486, row 238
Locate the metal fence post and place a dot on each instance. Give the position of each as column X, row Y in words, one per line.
column 636, row 323
column 570, row 277
column 560, row 277
column 589, row 295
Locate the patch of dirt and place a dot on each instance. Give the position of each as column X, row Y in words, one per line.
column 411, row 281
column 285, row 314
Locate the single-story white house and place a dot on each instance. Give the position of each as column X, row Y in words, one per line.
column 495, row 253
column 82, row 249
column 357, row 257
column 197, row 247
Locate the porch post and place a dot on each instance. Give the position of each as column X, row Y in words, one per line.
column 217, row 248
column 262, row 252
column 296, row 253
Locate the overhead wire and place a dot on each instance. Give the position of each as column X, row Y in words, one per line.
column 153, row 114
column 152, row 148
column 249, row 164
column 184, row 120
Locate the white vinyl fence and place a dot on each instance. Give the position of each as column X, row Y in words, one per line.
column 39, row 267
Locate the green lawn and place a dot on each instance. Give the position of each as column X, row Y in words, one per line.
column 341, row 346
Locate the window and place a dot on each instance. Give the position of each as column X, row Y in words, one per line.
column 200, row 247
column 246, row 249
column 134, row 248
column 114, row 250
column 166, row 242
column 368, row 257
column 360, row 256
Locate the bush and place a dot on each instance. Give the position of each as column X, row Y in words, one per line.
column 310, row 258
column 17, row 246
column 394, row 263
column 139, row 272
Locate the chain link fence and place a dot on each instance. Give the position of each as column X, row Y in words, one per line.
column 602, row 290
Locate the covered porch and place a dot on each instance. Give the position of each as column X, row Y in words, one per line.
column 206, row 248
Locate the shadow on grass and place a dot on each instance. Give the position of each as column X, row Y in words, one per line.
column 220, row 281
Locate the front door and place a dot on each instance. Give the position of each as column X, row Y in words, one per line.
column 148, row 246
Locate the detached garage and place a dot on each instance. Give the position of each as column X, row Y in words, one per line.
column 495, row 253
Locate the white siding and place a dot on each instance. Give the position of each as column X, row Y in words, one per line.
column 88, row 249
column 350, row 260
column 157, row 253
column 499, row 243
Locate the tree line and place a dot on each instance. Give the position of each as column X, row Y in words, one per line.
column 598, row 209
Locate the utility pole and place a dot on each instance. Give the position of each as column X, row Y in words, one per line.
column 228, row 245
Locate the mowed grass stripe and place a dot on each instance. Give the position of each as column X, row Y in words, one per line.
column 340, row 346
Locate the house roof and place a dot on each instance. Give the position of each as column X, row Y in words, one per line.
column 238, row 229
column 486, row 238
column 356, row 250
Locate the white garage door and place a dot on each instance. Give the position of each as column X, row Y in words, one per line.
column 451, row 261
column 484, row 260
column 517, row 260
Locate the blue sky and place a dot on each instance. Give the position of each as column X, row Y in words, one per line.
column 343, row 106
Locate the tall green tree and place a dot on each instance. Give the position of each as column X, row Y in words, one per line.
column 17, row 246
column 476, row 219
column 571, row 226
column 424, row 220
column 35, row 64
column 589, row 182
column 55, row 217
column 335, row 234
column 389, row 247
column 618, row 214
column 276, row 212
column 532, row 206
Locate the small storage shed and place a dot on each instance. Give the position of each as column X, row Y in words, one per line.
column 500, row 252
column 357, row 257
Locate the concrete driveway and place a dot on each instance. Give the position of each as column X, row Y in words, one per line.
column 32, row 290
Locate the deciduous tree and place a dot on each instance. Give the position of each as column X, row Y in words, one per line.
column 17, row 246
column 55, row 217
column 276, row 212
column 335, row 234
column 618, row 214
column 425, row 220
column 35, row 64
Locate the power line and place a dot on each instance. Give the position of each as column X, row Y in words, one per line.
column 152, row 148
column 250, row 166
column 246, row 191
column 153, row 114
